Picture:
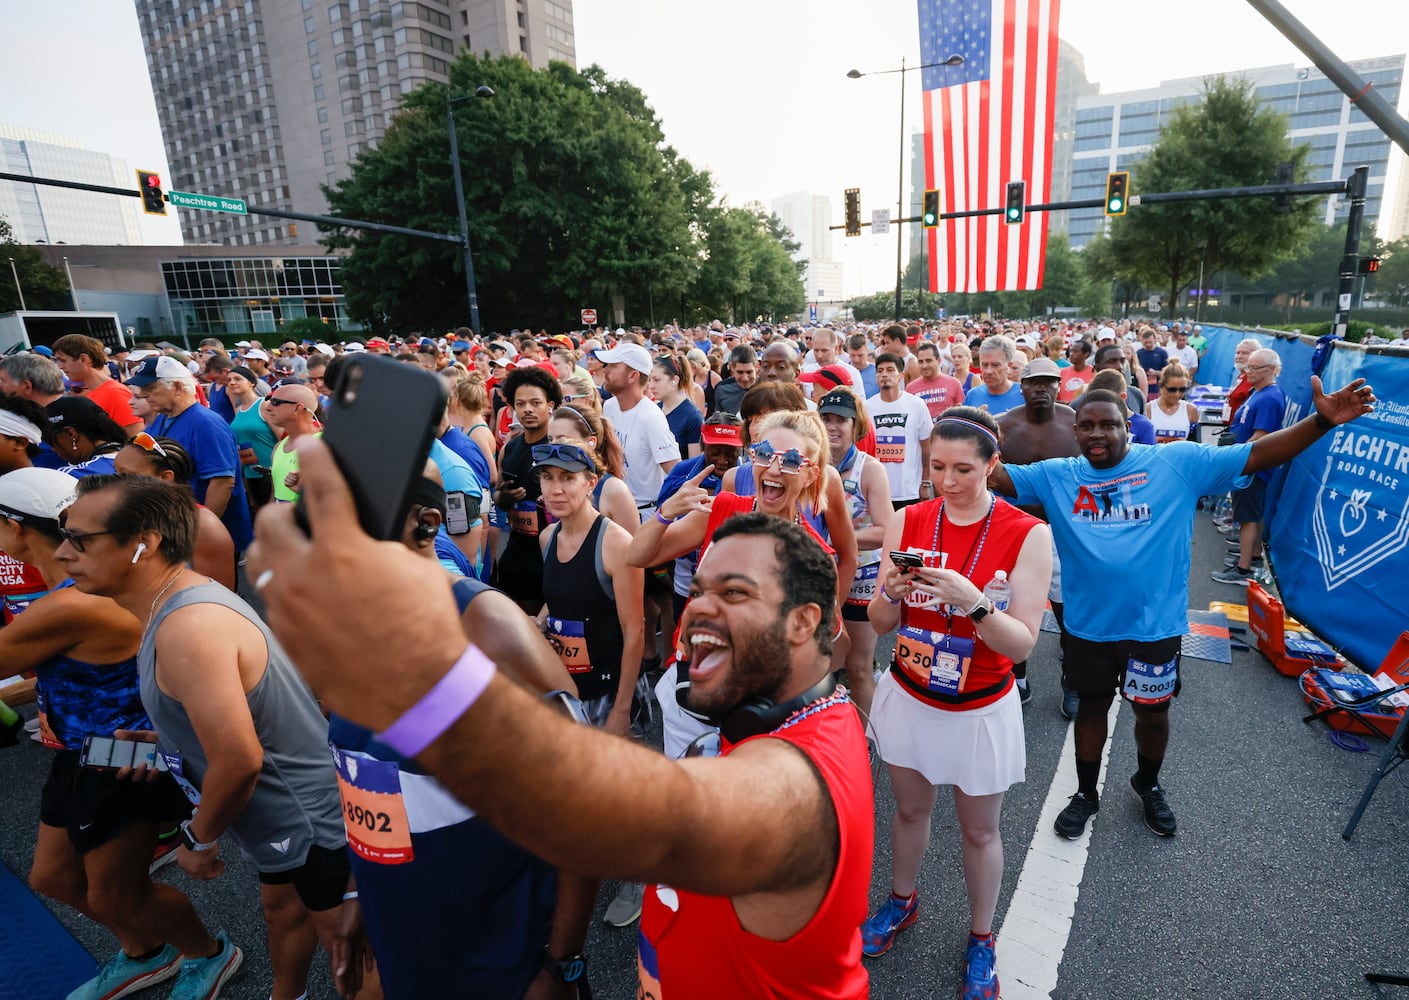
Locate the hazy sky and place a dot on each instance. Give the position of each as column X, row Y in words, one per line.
column 753, row 90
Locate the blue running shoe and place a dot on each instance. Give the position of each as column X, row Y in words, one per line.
column 202, row 978
column 878, row 933
column 122, row 976
column 980, row 976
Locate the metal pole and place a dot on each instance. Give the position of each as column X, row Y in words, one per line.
column 900, row 195
column 73, row 292
column 1198, row 303
column 1358, row 183
column 14, row 271
column 1361, row 93
column 470, row 295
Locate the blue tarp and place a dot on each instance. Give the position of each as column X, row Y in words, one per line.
column 1216, row 366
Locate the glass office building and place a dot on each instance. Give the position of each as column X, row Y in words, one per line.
column 254, row 295
column 1115, row 131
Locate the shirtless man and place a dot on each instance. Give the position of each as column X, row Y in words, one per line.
column 1041, row 428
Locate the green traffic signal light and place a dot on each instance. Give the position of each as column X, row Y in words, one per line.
column 929, row 214
column 1016, row 202
column 1116, row 185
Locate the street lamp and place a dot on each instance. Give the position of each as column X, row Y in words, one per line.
column 856, row 74
column 470, row 293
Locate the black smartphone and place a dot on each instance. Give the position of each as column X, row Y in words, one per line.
column 382, row 417
column 106, row 752
column 907, row 561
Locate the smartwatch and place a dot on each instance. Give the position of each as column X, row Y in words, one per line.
column 189, row 839
column 564, row 970
column 981, row 610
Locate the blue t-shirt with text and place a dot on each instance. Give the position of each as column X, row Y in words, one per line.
column 1139, row 513
column 980, row 395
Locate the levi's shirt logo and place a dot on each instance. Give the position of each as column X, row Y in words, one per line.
column 1113, row 502
column 889, row 420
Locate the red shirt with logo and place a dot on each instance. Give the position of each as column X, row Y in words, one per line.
column 692, row 947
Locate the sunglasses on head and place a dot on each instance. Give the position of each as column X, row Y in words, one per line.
column 147, row 443
column 791, row 461
column 571, row 452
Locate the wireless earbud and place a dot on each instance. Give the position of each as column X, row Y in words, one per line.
column 137, row 554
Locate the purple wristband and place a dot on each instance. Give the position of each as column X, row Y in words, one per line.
column 428, row 719
column 667, row 521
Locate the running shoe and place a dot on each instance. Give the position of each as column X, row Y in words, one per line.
column 878, row 933
column 1071, row 822
column 626, row 907
column 1234, row 574
column 165, row 853
column 1231, row 559
column 1070, row 700
column 980, row 976
column 1158, row 816
column 122, row 976
column 202, row 978
column 1025, row 692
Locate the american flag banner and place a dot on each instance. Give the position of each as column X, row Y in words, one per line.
column 988, row 122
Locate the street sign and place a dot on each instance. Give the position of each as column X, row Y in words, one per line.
column 812, row 312
column 209, row 202
column 589, row 317
column 880, row 222
column 1154, row 304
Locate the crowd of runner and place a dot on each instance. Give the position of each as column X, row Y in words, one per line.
column 717, row 524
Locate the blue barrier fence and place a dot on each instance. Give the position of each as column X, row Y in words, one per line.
column 1338, row 514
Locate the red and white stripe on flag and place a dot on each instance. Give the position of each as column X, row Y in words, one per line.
column 987, row 123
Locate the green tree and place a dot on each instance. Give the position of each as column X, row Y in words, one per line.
column 45, row 286
column 571, row 194
column 307, row 328
column 745, row 269
column 1228, row 139
column 1391, row 282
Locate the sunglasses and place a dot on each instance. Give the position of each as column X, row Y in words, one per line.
column 79, row 538
column 275, row 401
column 569, row 452
column 1181, row 389
column 147, row 443
column 790, row 461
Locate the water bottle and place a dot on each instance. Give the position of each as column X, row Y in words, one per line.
column 999, row 591
column 1223, row 510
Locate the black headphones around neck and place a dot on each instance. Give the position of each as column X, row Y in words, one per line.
column 758, row 715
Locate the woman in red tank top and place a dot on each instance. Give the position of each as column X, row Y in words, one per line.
column 947, row 712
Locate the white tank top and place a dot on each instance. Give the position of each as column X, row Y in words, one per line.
column 1169, row 426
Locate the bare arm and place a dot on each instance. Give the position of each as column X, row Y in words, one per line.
column 925, row 464
column 218, row 493
column 628, row 583
column 843, row 536
column 1340, row 407
column 620, row 506
column 875, row 486
column 215, row 550
column 885, row 614
column 688, row 511
column 1000, row 482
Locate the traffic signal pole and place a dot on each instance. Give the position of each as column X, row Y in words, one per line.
column 1345, row 294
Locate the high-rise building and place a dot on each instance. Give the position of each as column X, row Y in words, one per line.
column 43, row 214
column 266, row 100
column 809, row 218
column 1115, row 131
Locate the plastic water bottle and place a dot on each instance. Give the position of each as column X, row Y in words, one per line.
column 999, row 591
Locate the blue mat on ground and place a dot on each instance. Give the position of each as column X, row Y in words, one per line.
column 1208, row 637
column 39, row 959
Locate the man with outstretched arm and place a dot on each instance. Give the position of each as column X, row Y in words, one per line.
column 758, row 861
column 1117, row 498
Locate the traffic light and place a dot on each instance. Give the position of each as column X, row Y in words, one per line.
column 149, row 184
column 1016, row 202
column 1368, row 265
column 1118, row 193
column 1286, row 174
column 929, row 213
column 853, row 211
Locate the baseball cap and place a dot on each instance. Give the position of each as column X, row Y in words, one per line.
column 41, row 349
column 568, row 457
column 73, row 411
column 378, row 344
column 632, row 355
column 242, row 343
column 1105, row 333
column 34, row 494
column 840, row 402
column 721, row 434
column 157, row 367
column 256, row 355
column 460, row 345
column 828, row 376
column 505, row 362
column 1041, row 368
column 353, row 348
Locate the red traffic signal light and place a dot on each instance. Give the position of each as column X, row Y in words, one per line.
column 149, row 187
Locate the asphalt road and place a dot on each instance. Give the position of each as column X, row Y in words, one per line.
column 1256, row 897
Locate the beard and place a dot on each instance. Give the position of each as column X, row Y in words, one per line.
column 760, row 668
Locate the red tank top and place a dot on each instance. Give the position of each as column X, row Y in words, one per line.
column 726, row 505
column 970, row 550
column 692, row 947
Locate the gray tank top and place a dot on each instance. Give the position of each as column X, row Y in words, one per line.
column 295, row 802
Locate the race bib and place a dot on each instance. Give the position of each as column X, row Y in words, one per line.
column 863, row 588
column 523, row 519
column 890, row 448
column 173, row 766
column 940, row 662
column 1150, row 683
column 374, row 811
column 47, row 736
column 569, row 639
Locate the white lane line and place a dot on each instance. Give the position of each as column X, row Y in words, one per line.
column 1037, row 925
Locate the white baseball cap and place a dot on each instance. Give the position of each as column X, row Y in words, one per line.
column 34, row 494
column 632, row 355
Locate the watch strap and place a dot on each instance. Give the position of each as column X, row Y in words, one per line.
column 564, row 970
column 189, row 839
column 981, row 610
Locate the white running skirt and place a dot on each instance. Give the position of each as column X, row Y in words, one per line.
column 980, row 750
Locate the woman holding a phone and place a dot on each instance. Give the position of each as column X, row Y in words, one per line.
column 947, row 712
column 254, row 432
